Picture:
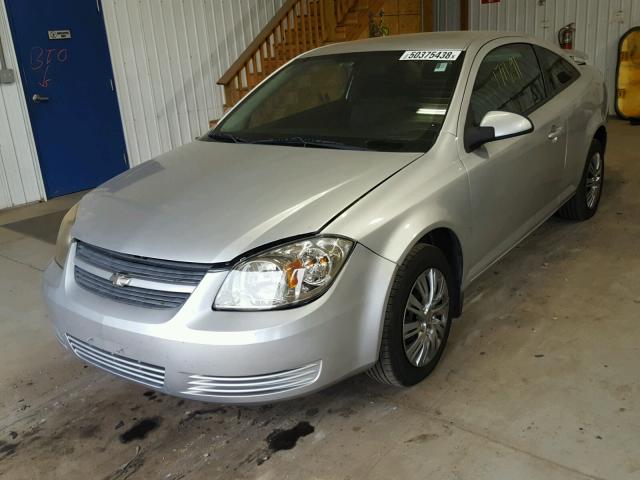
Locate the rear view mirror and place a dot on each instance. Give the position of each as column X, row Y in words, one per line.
column 496, row 125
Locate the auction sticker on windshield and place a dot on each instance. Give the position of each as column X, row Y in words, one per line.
column 447, row 55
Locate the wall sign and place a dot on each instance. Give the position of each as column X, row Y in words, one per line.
column 59, row 34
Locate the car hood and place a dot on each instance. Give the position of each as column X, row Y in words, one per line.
column 211, row 202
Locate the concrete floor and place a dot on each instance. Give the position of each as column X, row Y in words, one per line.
column 540, row 379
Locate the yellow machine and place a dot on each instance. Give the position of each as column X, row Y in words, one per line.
column 628, row 76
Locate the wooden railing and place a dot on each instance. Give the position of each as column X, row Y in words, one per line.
column 342, row 7
column 298, row 26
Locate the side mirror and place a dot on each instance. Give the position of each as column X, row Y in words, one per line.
column 496, row 125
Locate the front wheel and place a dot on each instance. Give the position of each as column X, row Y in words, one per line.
column 417, row 319
column 584, row 204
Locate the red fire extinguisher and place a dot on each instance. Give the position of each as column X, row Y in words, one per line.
column 565, row 36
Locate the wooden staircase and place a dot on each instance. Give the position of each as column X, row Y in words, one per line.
column 298, row 26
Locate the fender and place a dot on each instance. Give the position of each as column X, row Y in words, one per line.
column 430, row 193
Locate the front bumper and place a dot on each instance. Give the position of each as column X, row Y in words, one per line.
column 228, row 357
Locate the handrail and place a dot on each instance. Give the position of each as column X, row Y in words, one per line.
column 342, row 8
column 298, row 26
column 266, row 32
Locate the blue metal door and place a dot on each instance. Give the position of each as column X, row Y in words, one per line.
column 68, row 82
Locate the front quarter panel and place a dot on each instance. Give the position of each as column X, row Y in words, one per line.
column 430, row 193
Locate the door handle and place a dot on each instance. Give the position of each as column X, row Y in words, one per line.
column 555, row 132
column 37, row 98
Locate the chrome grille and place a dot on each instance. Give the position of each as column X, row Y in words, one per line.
column 205, row 385
column 145, row 373
column 150, row 283
column 177, row 273
column 142, row 297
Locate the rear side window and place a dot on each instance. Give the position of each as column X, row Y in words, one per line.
column 558, row 72
column 509, row 79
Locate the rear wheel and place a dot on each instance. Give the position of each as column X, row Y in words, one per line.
column 417, row 320
column 584, row 204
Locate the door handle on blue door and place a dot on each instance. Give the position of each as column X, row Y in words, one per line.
column 37, row 98
column 554, row 133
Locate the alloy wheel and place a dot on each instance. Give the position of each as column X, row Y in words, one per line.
column 425, row 317
column 593, row 182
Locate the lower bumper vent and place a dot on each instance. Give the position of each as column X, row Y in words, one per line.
column 273, row 383
column 144, row 373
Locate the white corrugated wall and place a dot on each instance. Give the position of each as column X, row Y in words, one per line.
column 20, row 180
column 167, row 56
column 599, row 24
column 446, row 15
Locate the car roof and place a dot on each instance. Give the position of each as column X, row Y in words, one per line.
column 460, row 40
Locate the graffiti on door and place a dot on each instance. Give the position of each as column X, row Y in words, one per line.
column 42, row 59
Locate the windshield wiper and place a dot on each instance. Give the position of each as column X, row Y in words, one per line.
column 225, row 137
column 308, row 142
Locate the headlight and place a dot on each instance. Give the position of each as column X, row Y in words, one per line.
column 64, row 236
column 285, row 276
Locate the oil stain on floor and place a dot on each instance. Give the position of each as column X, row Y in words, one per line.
column 140, row 430
column 285, row 439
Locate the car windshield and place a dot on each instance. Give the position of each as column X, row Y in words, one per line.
column 365, row 100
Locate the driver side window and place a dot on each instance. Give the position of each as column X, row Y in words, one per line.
column 509, row 79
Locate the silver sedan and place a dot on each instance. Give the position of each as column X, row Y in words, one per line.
column 332, row 221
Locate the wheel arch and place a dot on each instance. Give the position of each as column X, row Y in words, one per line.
column 448, row 242
column 601, row 136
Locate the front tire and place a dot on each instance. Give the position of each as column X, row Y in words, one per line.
column 417, row 320
column 584, row 204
